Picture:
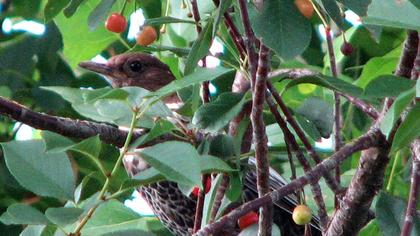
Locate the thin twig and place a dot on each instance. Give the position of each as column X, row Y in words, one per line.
column 337, row 103
column 291, row 142
column 115, row 169
column 299, row 73
column 233, row 31
column 335, row 187
column 249, row 41
column 200, row 204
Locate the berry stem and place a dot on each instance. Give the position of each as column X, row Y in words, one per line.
column 123, row 8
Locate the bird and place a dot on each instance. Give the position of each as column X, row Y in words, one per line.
column 172, row 207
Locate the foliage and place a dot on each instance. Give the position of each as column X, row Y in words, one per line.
column 50, row 183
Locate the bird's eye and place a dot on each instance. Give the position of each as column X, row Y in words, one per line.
column 136, row 66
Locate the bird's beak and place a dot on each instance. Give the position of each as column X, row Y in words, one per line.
column 97, row 67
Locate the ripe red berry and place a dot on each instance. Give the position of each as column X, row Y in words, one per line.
column 147, row 36
column 346, row 49
column 302, row 215
column 207, row 187
column 116, row 23
column 305, row 7
column 249, row 219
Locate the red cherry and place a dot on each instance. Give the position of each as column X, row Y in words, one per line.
column 147, row 36
column 346, row 49
column 116, row 23
column 305, row 7
column 196, row 190
column 249, row 219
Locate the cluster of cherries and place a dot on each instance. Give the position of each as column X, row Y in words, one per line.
column 117, row 23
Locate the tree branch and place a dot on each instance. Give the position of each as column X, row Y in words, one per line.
column 299, row 73
column 71, row 128
column 353, row 213
column 373, row 138
column 261, row 141
column 411, row 212
column 405, row 64
column 233, row 31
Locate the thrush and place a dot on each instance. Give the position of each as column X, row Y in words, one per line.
column 173, row 208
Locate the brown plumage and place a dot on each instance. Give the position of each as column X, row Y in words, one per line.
column 175, row 210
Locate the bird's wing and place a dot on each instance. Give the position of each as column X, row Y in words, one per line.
column 276, row 181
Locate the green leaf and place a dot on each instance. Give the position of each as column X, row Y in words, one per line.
column 372, row 228
column 200, row 48
column 333, row 10
column 114, row 218
column 63, row 215
column 393, row 114
column 151, row 8
column 399, row 14
column 215, row 115
column 72, row 8
column 112, row 105
column 211, row 164
column 23, row 214
column 38, row 230
column 390, row 213
column 274, row 134
column 166, row 20
column 223, row 6
column 181, row 52
column 160, row 127
column 375, row 67
column 90, row 147
column 99, row 14
column 408, row 130
column 281, row 27
column 318, row 112
column 93, row 41
column 55, row 142
column 416, row 3
column 332, row 83
column 198, row 76
column 308, row 127
column 53, row 8
column 177, row 161
column 387, row 86
column 222, row 146
column 359, row 7
column 145, row 177
column 45, row 174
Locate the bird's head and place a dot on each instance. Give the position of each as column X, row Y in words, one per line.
column 133, row 69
